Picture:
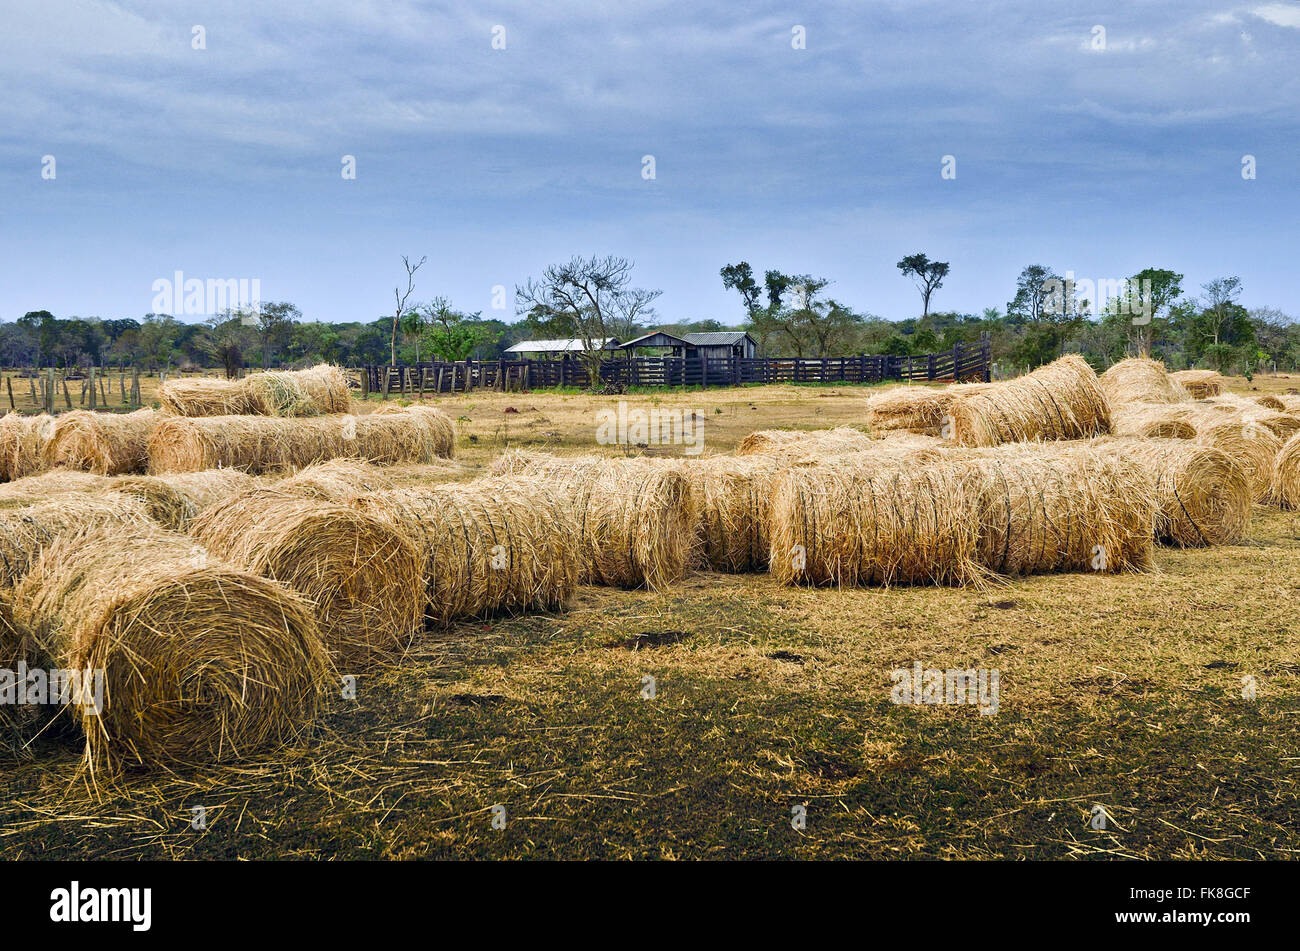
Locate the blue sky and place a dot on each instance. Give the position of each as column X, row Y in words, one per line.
column 225, row 162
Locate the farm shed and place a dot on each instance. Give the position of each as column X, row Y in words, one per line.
column 719, row 344
column 551, row 349
column 662, row 341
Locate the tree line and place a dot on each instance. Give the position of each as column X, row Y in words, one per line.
column 788, row 314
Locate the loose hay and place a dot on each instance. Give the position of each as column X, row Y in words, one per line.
column 176, row 500
column 102, row 443
column 1062, row 400
column 22, row 444
column 363, row 577
column 25, row 532
column 887, row 524
column 321, row 390
column 202, row 662
column 1199, row 383
column 1140, row 380
column 266, row 444
column 499, row 545
column 338, row 479
column 47, row 485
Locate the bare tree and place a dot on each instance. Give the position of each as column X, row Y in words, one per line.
column 402, row 298
column 589, row 299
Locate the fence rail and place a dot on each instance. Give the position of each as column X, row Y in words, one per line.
column 962, row 362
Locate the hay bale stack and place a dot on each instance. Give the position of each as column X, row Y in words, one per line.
column 1199, row 383
column 394, row 435
column 916, row 409
column 202, row 662
column 102, row 443
column 1202, row 496
column 319, row 391
column 1284, row 489
column 492, row 546
column 1140, row 380
column 1152, row 421
column 730, row 502
column 338, row 479
column 1251, row 446
column 25, row 532
column 363, row 576
column 174, row 501
column 826, row 441
column 1062, row 400
column 22, row 444
column 1043, row 509
column 882, row 525
column 47, row 485
column 636, row 518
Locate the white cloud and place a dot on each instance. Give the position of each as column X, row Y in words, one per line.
column 1279, row 14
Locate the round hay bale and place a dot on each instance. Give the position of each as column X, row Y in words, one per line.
column 201, row 662
column 25, row 532
column 1251, row 446
column 319, row 391
column 492, row 546
column 204, row 397
column 102, row 443
column 1140, row 380
column 1202, row 496
column 1151, row 421
column 1284, row 489
column 1062, row 400
column 13, row 651
column 174, row 501
column 1269, row 401
column 1199, row 383
column 731, row 498
column 825, row 441
column 22, row 444
column 1042, row 510
column 894, row 523
column 338, row 479
column 394, row 435
column 252, row 443
column 47, row 485
column 917, row 409
column 363, row 577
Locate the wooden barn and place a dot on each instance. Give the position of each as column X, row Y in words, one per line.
column 724, row 343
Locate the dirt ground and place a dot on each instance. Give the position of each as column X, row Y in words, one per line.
column 541, row 736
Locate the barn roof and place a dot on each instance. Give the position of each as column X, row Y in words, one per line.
column 574, row 345
column 717, row 338
column 658, row 338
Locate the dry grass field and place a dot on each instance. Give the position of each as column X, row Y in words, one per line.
column 1123, row 691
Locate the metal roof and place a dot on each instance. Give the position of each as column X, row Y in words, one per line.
column 716, row 338
column 658, row 338
column 558, row 346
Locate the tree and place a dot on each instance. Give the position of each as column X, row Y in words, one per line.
column 452, row 335
column 157, row 337
column 275, row 323
column 926, row 274
column 740, row 277
column 1032, row 294
column 587, row 298
column 1219, row 304
column 225, row 338
column 401, row 298
column 1159, row 290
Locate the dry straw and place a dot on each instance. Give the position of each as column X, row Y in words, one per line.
column 25, row 532
column 1053, row 507
column 1285, row 487
column 47, row 485
column 917, row 409
column 202, row 662
column 1199, row 383
column 497, row 545
column 321, row 390
column 267, row 444
column 175, row 500
column 1062, row 400
column 22, row 444
column 102, row 443
column 891, row 523
column 338, row 479
column 1250, row 445
column 635, row 521
column 1140, row 380
column 363, row 577
column 827, row 441
column 1202, row 496
column 1151, row 421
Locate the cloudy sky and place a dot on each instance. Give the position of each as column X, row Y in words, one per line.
column 226, row 162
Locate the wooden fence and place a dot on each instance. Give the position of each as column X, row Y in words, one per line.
column 962, row 362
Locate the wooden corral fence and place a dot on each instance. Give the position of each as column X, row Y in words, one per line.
column 99, row 388
column 963, row 362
